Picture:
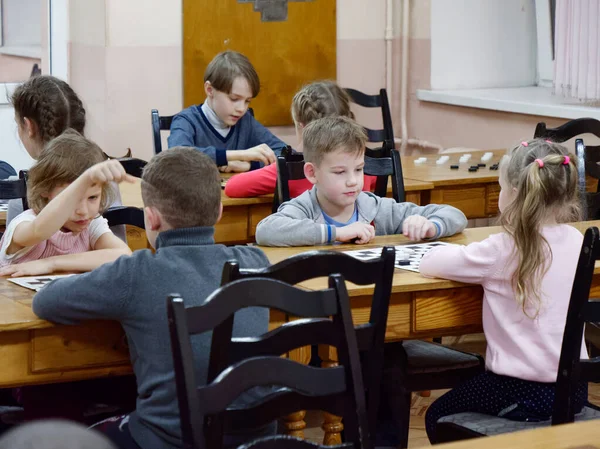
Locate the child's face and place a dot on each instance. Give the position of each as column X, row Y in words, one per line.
column 85, row 211
column 339, row 177
column 230, row 107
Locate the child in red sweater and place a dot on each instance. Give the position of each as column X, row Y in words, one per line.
column 313, row 101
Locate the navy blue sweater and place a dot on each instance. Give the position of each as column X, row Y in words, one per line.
column 191, row 128
column 133, row 290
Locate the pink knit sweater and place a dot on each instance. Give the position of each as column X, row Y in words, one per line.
column 518, row 346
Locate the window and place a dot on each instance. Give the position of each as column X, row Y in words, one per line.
column 497, row 54
column 20, row 39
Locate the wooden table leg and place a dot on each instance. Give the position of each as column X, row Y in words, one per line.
column 332, row 425
column 294, row 424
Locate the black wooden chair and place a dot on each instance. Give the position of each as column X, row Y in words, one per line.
column 125, row 215
column 159, row 123
column 568, row 130
column 376, row 101
column 133, row 166
column 385, row 135
column 381, row 162
column 588, row 157
column 571, row 369
column 209, row 411
column 411, row 365
column 11, row 189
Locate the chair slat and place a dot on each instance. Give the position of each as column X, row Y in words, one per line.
column 285, row 338
column 568, row 130
column 250, row 293
column 257, row 371
column 125, row 215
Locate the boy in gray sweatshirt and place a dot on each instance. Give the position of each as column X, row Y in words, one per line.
column 182, row 198
column 336, row 209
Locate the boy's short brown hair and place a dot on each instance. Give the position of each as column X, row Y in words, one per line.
column 62, row 161
column 328, row 134
column 226, row 67
column 184, row 185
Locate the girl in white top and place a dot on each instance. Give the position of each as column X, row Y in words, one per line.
column 68, row 188
column 527, row 274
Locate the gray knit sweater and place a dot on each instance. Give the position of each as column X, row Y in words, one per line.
column 300, row 221
column 133, row 290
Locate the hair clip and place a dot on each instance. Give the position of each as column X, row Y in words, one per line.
column 540, row 162
column 525, row 144
column 567, row 160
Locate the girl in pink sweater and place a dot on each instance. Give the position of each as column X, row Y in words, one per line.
column 313, row 101
column 527, row 274
column 67, row 189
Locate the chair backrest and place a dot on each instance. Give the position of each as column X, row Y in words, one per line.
column 376, row 101
column 11, row 189
column 337, row 389
column 381, row 162
column 582, row 309
column 133, row 166
column 125, row 215
column 159, row 123
column 314, row 264
column 568, row 130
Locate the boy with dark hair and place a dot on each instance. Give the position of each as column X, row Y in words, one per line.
column 336, row 209
column 220, row 127
column 182, row 199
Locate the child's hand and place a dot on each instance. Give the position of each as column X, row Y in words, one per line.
column 235, row 167
column 108, row 171
column 262, row 153
column 33, row 268
column 362, row 232
column 417, row 227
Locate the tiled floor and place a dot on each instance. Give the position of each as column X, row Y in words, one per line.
column 417, row 436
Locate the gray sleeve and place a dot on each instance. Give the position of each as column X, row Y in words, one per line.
column 15, row 207
column 391, row 216
column 291, row 226
column 99, row 294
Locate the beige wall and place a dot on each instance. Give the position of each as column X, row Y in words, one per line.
column 16, row 69
column 125, row 59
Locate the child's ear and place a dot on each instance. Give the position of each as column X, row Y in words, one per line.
column 208, row 89
column 153, row 218
column 309, row 172
column 220, row 212
column 30, row 127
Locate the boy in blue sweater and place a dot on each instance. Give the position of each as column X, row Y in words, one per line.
column 182, row 199
column 220, row 127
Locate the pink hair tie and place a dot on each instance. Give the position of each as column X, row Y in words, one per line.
column 525, row 144
column 548, row 141
column 540, row 162
column 567, row 160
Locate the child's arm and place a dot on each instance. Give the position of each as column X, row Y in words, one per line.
column 261, row 135
column 85, row 296
column 184, row 134
column 395, row 218
column 471, row 264
column 253, row 183
column 59, row 210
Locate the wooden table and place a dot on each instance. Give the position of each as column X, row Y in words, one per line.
column 474, row 193
column 241, row 215
column 582, row 435
column 37, row 352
